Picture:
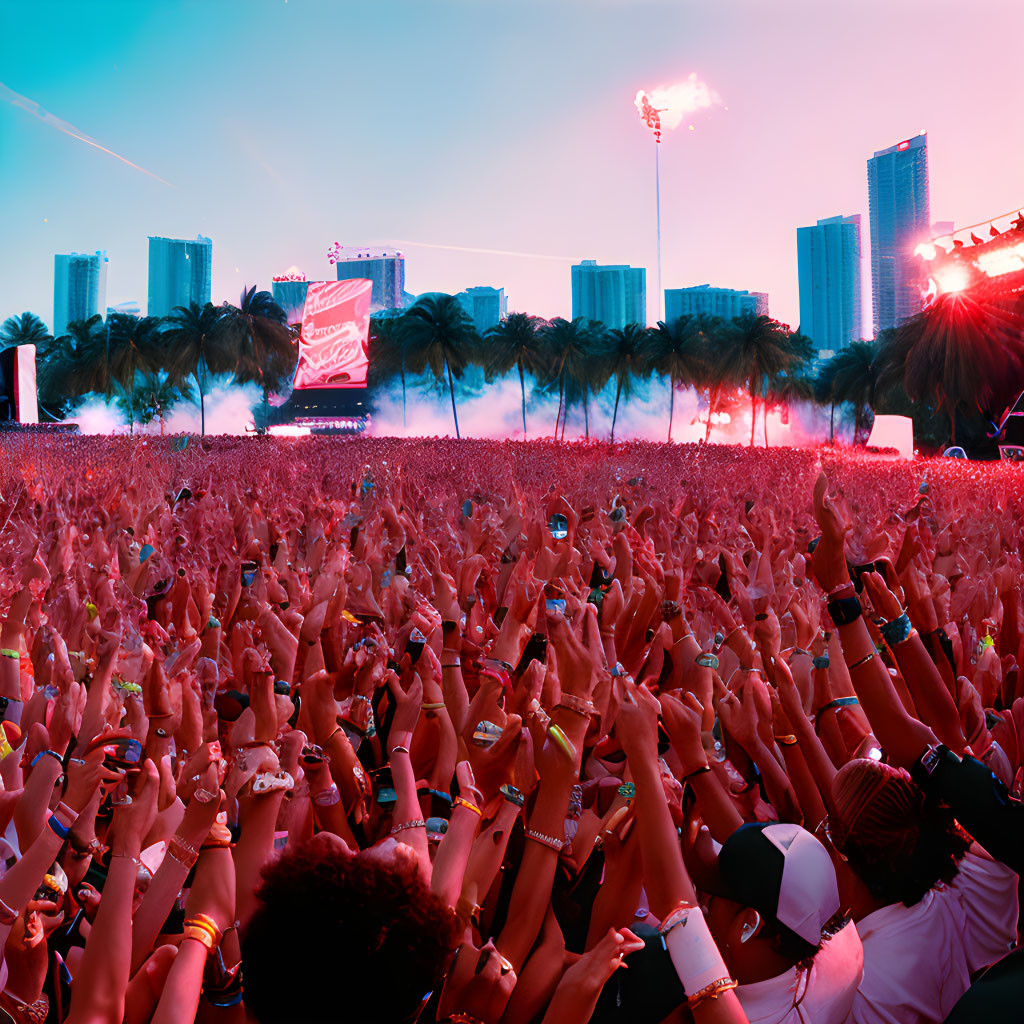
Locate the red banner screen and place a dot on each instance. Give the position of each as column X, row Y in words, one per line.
column 335, row 329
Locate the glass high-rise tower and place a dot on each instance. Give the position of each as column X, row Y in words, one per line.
column 900, row 220
column 615, row 295
column 79, row 288
column 180, row 272
column 828, row 262
column 384, row 267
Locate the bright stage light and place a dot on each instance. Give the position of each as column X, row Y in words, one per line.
column 1002, row 261
column 952, row 279
column 925, row 250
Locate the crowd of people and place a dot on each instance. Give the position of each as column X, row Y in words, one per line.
column 315, row 729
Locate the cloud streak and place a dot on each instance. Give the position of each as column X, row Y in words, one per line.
column 30, row 106
column 489, row 252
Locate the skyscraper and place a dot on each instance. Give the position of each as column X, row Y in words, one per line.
column 290, row 295
column 900, row 219
column 384, row 267
column 828, row 261
column 615, row 295
column 487, row 307
column 79, row 288
column 727, row 303
column 180, row 272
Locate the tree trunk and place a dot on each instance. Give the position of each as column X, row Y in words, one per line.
column 766, row 426
column 753, row 414
column 522, row 388
column 711, row 407
column 451, row 391
column 586, row 414
column 403, row 392
column 832, row 424
column 202, row 405
column 558, row 415
column 615, row 413
column 671, row 405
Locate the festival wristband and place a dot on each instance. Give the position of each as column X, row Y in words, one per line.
column 897, row 630
column 6, row 652
column 844, row 610
column 821, row 661
column 835, row 705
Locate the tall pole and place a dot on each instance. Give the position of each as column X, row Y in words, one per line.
column 657, row 203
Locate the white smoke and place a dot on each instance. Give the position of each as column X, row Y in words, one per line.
column 228, row 411
column 494, row 411
column 676, row 101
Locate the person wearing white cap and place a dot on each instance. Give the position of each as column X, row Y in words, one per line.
column 773, row 908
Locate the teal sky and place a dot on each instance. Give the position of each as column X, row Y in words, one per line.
column 286, row 125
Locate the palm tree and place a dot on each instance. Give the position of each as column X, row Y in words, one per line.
column 79, row 332
column 961, row 353
column 626, row 356
column 678, row 350
column 111, row 358
column 517, row 343
column 267, row 353
column 26, row 329
column 569, row 347
column 756, row 351
column 436, row 332
column 156, row 393
column 195, row 344
column 851, row 376
column 387, row 353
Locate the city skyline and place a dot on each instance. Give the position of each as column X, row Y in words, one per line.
column 488, row 154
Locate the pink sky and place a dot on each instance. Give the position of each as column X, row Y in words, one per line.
column 503, row 125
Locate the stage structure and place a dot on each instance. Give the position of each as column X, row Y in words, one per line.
column 986, row 267
column 329, row 390
column 990, row 267
column 18, row 385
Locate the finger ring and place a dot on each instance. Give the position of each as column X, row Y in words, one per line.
column 506, row 965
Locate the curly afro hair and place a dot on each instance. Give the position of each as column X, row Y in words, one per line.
column 342, row 936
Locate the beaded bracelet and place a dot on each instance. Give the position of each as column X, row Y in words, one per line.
column 548, row 841
column 414, row 823
column 712, row 991
column 821, row 661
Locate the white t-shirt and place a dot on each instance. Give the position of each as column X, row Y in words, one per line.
column 822, row 995
column 915, row 961
column 987, row 891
